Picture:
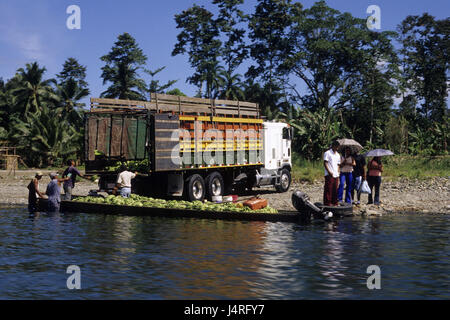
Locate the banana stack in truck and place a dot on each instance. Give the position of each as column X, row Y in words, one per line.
column 190, row 147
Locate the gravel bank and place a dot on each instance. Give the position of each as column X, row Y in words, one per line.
column 397, row 196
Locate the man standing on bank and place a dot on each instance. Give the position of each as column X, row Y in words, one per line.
column 71, row 172
column 331, row 162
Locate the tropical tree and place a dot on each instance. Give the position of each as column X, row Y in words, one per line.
column 70, row 107
column 43, row 139
column 269, row 27
column 199, row 38
column 122, row 66
column 32, row 92
column 315, row 130
column 229, row 21
column 4, row 106
column 73, row 71
column 371, row 90
column 396, row 134
column 268, row 31
column 270, row 98
column 425, row 50
column 155, row 86
column 325, row 51
column 232, row 86
column 176, row 92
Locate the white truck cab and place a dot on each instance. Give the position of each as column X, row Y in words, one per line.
column 277, row 157
column 277, row 145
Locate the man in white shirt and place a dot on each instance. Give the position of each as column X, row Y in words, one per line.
column 331, row 162
column 124, row 182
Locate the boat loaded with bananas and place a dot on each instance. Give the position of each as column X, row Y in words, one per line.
column 137, row 205
column 199, row 153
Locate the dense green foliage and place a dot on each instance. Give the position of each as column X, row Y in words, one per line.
column 319, row 69
column 326, row 73
column 43, row 117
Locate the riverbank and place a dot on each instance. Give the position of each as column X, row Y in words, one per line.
column 399, row 195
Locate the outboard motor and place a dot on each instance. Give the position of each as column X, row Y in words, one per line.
column 306, row 208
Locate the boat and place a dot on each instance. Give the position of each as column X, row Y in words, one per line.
column 103, row 208
column 299, row 216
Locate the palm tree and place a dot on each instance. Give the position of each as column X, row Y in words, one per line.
column 71, row 93
column 213, row 79
column 32, row 91
column 42, row 138
column 232, row 86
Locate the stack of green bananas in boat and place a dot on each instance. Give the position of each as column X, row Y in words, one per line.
column 141, row 201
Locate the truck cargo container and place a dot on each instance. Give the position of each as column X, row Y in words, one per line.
column 191, row 147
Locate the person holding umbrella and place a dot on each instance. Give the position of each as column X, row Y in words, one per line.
column 348, row 147
column 375, row 168
column 346, row 176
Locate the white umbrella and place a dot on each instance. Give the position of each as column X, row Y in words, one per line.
column 379, row 153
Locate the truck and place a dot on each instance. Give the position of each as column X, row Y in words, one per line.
column 193, row 148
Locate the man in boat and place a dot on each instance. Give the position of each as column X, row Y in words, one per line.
column 34, row 193
column 124, row 182
column 71, row 172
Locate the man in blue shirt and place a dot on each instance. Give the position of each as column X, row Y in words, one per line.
column 71, row 173
column 54, row 193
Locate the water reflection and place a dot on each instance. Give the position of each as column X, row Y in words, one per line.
column 211, row 256
column 156, row 258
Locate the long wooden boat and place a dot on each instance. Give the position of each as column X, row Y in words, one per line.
column 103, row 208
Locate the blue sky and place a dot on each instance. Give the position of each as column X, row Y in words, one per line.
column 36, row 31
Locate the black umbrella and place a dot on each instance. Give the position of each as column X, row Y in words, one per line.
column 379, row 153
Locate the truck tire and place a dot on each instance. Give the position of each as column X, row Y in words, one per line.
column 285, row 181
column 195, row 188
column 215, row 185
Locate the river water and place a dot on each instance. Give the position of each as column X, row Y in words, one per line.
column 123, row 257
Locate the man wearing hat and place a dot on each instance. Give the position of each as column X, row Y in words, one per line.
column 34, row 193
column 54, row 193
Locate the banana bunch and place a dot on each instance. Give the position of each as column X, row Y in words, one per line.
column 141, row 201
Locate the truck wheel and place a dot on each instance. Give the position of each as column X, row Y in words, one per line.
column 195, row 188
column 285, row 181
column 214, row 185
